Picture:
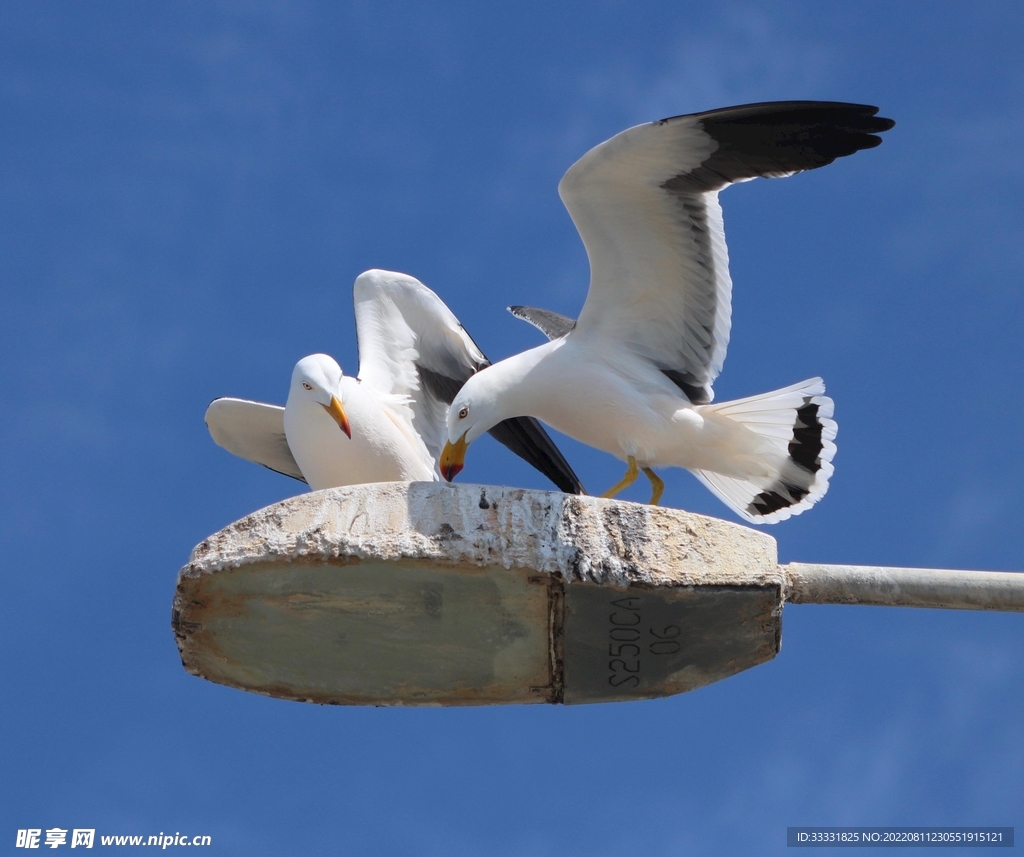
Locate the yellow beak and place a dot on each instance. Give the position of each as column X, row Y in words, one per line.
column 338, row 414
column 453, row 457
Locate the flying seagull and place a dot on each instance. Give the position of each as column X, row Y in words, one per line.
column 633, row 375
column 387, row 424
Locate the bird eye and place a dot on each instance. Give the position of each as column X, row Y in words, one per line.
column 463, row 413
column 307, row 386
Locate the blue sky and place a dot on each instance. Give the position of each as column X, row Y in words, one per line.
column 187, row 192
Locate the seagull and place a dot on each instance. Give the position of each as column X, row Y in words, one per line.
column 387, row 424
column 632, row 376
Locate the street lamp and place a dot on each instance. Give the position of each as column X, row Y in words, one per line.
column 436, row 594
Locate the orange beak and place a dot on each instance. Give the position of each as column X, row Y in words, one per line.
column 453, row 457
column 338, row 414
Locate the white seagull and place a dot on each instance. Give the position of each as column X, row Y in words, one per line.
column 387, row 424
column 633, row 375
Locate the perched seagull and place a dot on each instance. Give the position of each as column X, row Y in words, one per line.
column 387, row 424
column 633, row 375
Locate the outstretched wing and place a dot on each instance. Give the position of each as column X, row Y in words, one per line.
column 412, row 345
column 646, row 205
column 253, row 431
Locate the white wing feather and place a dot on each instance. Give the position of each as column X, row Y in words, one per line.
column 402, row 326
column 253, row 431
column 658, row 259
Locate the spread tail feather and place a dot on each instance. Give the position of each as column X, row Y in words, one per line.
column 798, row 433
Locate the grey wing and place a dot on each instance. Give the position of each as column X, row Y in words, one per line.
column 553, row 325
column 646, row 205
column 253, row 431
column 411, row 344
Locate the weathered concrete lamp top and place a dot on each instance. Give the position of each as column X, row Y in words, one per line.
column 437, row 594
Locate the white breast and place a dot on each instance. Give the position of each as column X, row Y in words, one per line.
column 382, row 448
column 606, row 397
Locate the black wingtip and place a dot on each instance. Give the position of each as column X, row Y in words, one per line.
column 778, row 138
column 526, row 438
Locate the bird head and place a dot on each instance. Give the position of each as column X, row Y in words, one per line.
column 471, row 413
column 317, row 379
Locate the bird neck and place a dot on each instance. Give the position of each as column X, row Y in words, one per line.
column 511, row 392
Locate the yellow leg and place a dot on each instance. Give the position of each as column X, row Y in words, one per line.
column 631, row 473
column 657, row 486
